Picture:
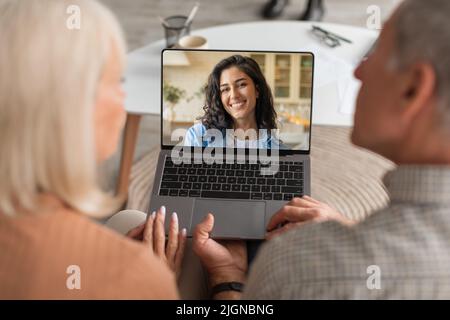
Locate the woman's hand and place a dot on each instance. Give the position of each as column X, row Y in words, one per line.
column 300, row 211
column 152, row 234
column 225, row 261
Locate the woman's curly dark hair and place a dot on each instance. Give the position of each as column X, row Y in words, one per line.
column 216, row 117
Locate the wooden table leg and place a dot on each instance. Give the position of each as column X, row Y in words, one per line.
column 128, row 147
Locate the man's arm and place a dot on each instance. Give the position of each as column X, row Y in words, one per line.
column 265, row 281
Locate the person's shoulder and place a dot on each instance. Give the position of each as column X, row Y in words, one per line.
column 194, row 134
column 98, row 239
column 197, row 128
column 276, row 143
column 141, row 275
column 121, row 267
column 74, row 223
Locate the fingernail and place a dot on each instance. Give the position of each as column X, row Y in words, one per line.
column 175, row 216
column 163, row 211
column 153, row 214
column 183, row 232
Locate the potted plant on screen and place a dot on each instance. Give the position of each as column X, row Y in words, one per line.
column 172, row 95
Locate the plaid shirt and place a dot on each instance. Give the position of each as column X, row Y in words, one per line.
column 400, row 252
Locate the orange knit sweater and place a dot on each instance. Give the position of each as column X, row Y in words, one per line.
column 37, row 250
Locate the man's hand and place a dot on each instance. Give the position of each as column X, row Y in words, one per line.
column 152, row 234
column 300, row 211
column 225, row 261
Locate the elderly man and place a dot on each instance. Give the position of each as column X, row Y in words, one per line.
column 401, row 251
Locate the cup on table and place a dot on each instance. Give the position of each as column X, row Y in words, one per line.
column 175, row 27
column 193, row 42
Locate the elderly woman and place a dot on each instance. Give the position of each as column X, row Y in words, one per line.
column 61, row 113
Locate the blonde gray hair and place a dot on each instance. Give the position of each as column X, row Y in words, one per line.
column 48, row 83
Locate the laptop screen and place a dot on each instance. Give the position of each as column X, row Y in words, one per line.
column 237, row 99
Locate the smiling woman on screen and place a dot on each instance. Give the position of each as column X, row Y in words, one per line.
column 238, row 98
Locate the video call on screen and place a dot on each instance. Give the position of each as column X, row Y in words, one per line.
column 218, row 92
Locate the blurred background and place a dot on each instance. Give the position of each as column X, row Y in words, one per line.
column 185, row 76
column 142, row 26
column 140, row 17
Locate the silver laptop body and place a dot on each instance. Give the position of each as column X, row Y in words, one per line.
column 247, row 215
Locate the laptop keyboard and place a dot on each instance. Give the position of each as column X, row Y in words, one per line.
column 232, row 181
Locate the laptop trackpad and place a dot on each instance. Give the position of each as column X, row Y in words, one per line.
column 232, row 219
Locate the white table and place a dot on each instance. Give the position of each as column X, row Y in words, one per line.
column 144, row 69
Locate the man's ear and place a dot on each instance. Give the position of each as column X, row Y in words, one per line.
column 419, row 90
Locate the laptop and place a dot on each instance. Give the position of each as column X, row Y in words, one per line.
column 235, row 137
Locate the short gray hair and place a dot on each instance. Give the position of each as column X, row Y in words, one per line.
column 423, row 33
